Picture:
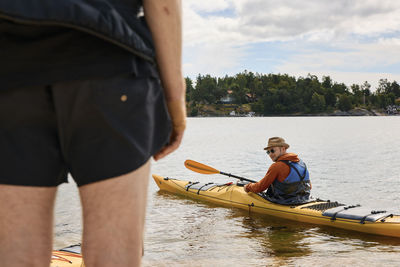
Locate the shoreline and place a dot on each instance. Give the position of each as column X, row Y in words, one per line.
column 210, row 111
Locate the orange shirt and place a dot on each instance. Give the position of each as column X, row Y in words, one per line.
column 278, row 170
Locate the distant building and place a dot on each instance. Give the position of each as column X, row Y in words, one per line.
column 250, row 98
column 227, row 99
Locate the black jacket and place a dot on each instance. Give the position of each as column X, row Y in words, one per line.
column 115, row 21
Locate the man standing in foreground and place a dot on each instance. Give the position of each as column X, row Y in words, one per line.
column 287, row 179
column 80, row 94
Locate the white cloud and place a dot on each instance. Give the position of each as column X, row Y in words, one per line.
column 363, row 36
column 207, row 5
column 358, row 64
column 213, row 29
column 390, row 41
column 217, row 60
column 267, row 20
column 350, row 56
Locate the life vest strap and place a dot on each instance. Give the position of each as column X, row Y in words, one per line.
column 289, row 163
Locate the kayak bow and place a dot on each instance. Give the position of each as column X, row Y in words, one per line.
column 69, row 256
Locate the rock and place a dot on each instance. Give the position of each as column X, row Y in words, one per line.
column 360, row 112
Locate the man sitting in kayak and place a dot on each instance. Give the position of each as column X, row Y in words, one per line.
column 287, row 179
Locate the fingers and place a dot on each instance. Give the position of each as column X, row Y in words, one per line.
column 175, row 141
column 177, row 111
column 245, row 188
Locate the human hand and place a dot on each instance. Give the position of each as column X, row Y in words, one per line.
column 177, row 112
column 245, row 188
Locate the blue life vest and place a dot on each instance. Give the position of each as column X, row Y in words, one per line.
column 295, row 189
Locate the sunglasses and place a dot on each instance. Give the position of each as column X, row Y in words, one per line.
column 271, row 151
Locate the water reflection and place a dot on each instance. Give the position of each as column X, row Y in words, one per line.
column 218, row 232
column 276, row 238
column 183, row 232
column 205, row 232
column 279, row 229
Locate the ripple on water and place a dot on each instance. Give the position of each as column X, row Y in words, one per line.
column 351, row 160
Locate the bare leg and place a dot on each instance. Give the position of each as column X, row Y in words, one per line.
column 26, row 225
column 113, row 218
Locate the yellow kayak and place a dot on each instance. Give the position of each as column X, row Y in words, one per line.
column 355, row 217
column 69, row 256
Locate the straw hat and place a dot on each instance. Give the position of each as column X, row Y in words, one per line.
column 276, row 142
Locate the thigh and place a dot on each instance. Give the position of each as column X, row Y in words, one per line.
column 26, row 223
column 113, row 217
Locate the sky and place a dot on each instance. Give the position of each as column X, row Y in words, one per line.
column 350, row 41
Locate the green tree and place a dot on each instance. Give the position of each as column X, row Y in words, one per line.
column 366, row 92
column 326, row 82
column 304, row 90
column 269, row 100
column 317, row 103
column 258, row 106
column 330, row 97
column 205, row 91
column 340, row 88
column 384, row 87
column 384, row 100
column 366, row 88
column 357, row 94
column 189, row 89
column 395, row 88
column 239, row 94
column 345, row 103
column 283, row 94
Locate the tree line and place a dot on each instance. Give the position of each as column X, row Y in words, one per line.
column 271, row 94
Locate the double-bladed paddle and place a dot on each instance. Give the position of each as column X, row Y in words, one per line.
column 204, row 169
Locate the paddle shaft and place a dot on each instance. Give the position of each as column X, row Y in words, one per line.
column 205, row 169
column 238, row 177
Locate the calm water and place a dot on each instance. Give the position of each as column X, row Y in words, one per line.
column 354, row 160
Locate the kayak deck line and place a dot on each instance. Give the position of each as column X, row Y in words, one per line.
column 191, row 192
column 234, row 196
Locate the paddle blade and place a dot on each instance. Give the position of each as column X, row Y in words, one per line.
column 199, row 167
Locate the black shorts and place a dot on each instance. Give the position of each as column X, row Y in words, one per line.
column 93, row 129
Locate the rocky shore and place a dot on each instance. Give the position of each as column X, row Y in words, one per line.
column 356, row 112
column 245, row 111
